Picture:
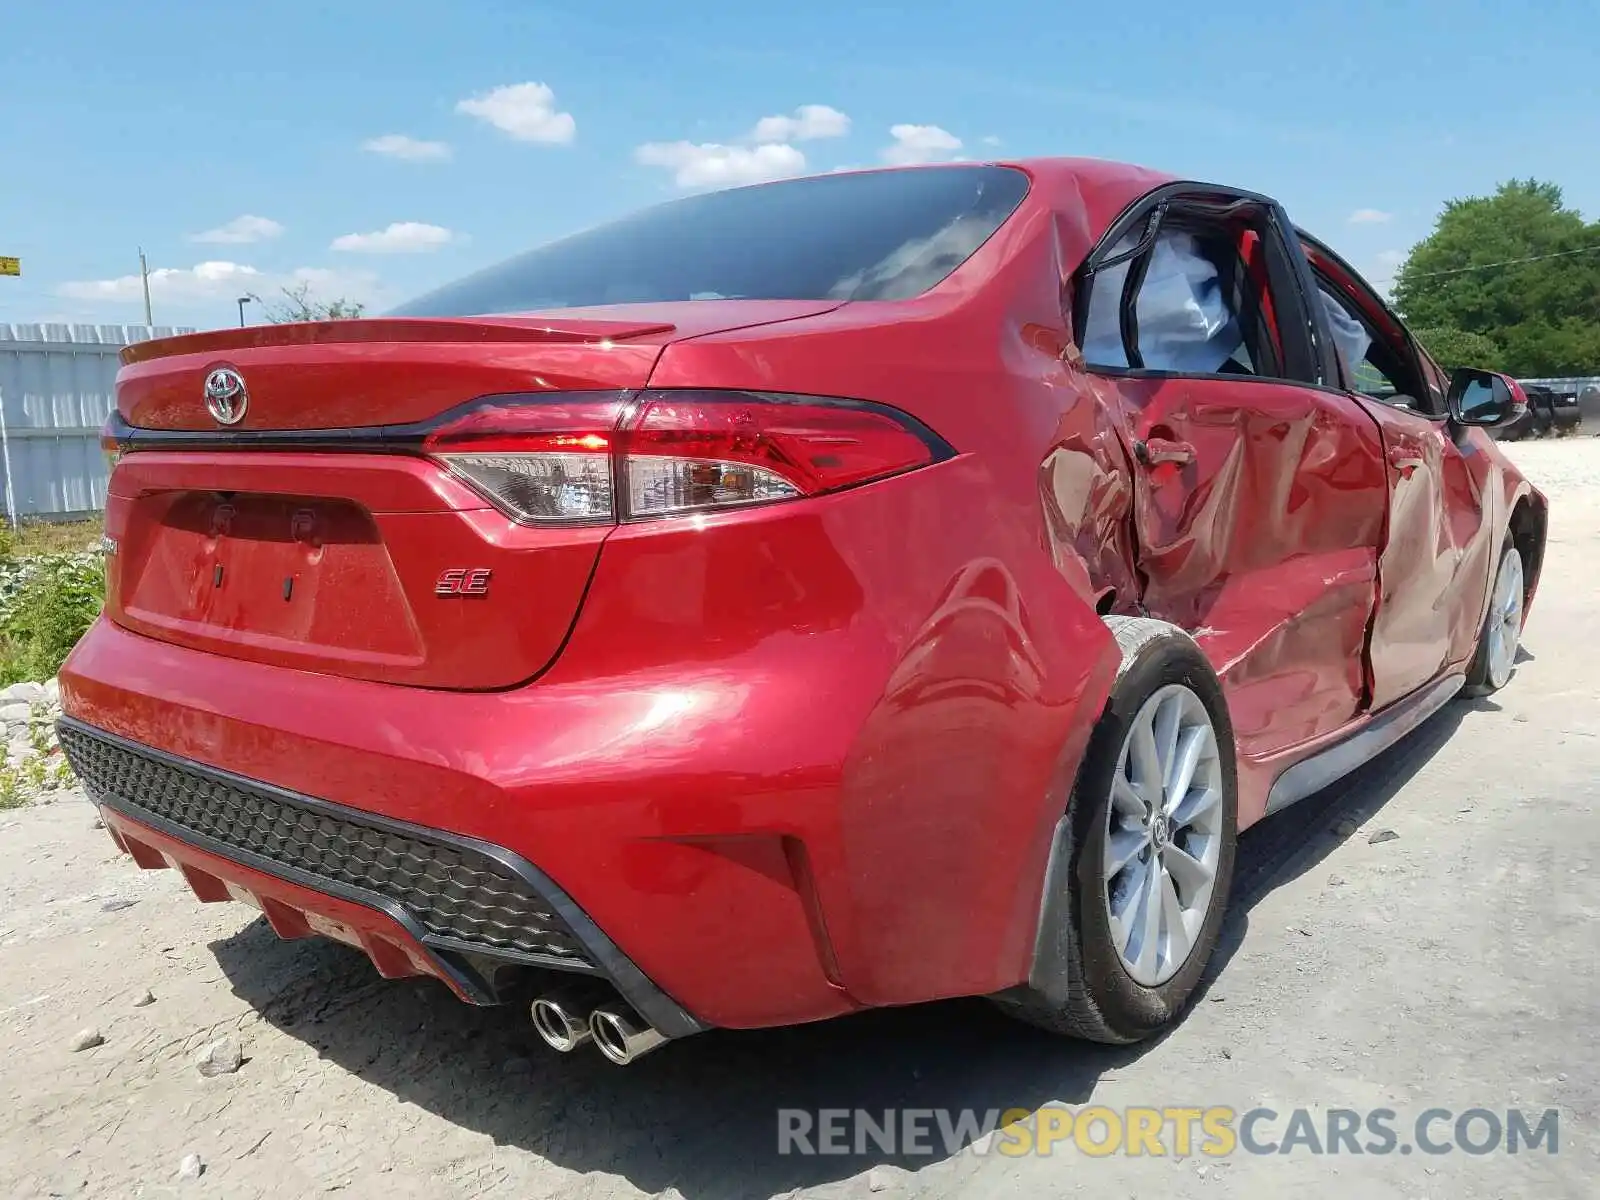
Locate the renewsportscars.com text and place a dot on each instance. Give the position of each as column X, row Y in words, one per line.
column 1176, row 1131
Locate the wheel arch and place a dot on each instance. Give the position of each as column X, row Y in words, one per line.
column 1049, row 976
column 1527, row 527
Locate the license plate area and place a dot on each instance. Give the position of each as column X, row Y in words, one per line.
column 302, row 571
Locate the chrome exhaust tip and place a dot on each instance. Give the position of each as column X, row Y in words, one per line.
column 562, row 1018
column 621, row 1036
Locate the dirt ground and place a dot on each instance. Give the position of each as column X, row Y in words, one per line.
column 1453, row 966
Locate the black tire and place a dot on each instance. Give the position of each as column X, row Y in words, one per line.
column 1086, row 992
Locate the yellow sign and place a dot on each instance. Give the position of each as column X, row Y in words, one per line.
column 10, row 266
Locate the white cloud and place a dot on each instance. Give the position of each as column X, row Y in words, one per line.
column 240, row 231
column 708, row 164
column 332, row 283
column 808, row 122
column 402, row 237
column 399, row 145
column 201, row 281
column 991, row 140
column 526, row 111
column 186, row 287
column 1370, row 216
column 920, row 144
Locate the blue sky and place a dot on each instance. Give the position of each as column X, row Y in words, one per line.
column 158, row 124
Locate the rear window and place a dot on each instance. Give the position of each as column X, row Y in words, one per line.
column 878, row 235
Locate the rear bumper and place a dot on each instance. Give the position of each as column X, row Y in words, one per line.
column 839, row 793
column 418, row 901
column 632, row 801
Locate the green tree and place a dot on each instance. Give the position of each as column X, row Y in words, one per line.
column 1453, row 348
column 299, row 305
column 1519, row 268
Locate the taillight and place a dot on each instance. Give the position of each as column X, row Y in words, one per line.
column 666, row 453
column 542, row 486
column 110, row 447
column 538, row 459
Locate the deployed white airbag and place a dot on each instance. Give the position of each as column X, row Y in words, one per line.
column 1184, row 323
column 1349, row 334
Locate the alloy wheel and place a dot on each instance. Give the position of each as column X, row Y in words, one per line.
column 1505, row 618
column 1163, row 834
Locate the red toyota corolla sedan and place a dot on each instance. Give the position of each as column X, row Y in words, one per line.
column 844, row 592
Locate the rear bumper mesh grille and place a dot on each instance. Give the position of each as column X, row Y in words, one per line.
column 458, row 895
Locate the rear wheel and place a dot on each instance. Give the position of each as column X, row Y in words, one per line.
column 1152, row 823
column 1501, row 634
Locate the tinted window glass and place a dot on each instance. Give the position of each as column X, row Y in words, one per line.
column 881, row 235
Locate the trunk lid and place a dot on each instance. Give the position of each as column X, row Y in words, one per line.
column 325, row 550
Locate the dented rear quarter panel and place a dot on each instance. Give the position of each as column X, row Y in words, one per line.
column 999, row 665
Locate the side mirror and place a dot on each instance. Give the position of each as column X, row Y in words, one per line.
column 1484, row 398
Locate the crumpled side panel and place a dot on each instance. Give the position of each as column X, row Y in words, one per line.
column 1263, row 544
column 1474, row 487
column 1445, row 528
column 1084, row 478
column 1087, row 493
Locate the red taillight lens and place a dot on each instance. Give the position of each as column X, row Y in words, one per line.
column 672, row 452
column 558, row 421
column 692, row 450
column 110, row 447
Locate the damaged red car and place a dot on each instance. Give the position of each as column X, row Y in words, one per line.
column 844, row 592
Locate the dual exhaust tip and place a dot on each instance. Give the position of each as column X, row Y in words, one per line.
column 567, row 1020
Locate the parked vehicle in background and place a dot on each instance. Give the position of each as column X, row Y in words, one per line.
column 845, row 592
column 1529, row 424
column 1553, row 411
column 1589, row 408
column 1565, row 415
column 1567, row 407
column 1536, row 421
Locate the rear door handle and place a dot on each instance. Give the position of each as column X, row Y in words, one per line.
column 1160, row 450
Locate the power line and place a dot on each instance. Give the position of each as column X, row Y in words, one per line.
column 1509, row 262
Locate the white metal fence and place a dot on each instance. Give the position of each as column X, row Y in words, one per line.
column 57, row 387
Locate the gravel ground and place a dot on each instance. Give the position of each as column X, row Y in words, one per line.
column 1453, row 965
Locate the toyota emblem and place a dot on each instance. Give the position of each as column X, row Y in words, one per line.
column 226, row 398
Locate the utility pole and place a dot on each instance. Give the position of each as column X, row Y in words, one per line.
column 144, row 275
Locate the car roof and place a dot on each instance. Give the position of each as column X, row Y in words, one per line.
column 1104, row 188
column 1102, row 172
column 1091, row 172
column 1100, row 188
